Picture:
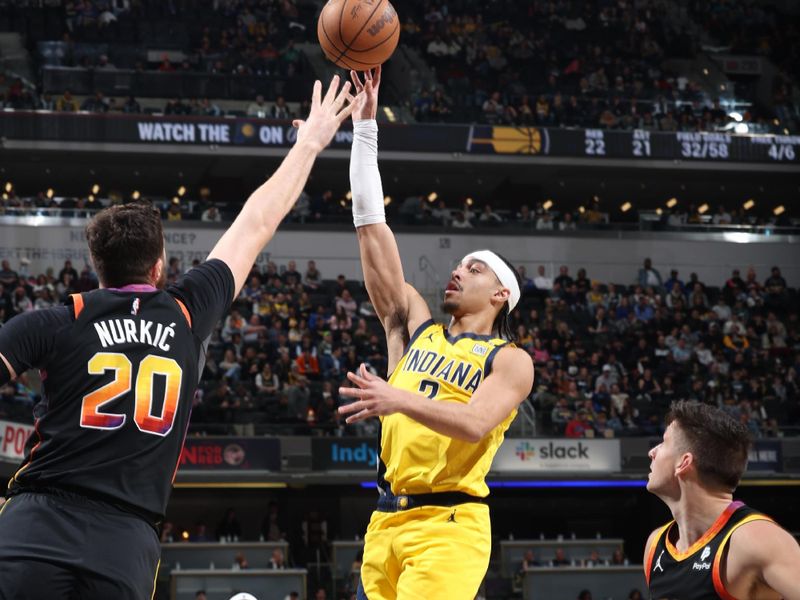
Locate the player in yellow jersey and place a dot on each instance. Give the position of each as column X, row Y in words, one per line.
column 452, row 393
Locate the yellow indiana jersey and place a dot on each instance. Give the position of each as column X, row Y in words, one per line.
column 416, row 459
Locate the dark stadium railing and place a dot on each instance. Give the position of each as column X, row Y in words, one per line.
column 156, row 84
column 646, row 221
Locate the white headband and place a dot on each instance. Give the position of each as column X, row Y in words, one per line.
column 501, row 270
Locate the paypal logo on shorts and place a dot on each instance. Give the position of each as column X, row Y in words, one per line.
column 355, row 455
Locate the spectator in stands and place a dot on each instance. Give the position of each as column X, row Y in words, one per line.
column 8, row 277
column 346, row 302
column 200, row 595
column 167, row 532
column 199, row 535
column 460, row 220
column 258, row 108
column 272, row 527
column 649, row 276
column 541, row 281
column 279, row 110
column 580, row 425
column 211, row 215
column 313, row 278
column 240, row 562
column 488, row 217
column 775, row 287
column 276, row 561
column 96, row 103
column 229, row 528
column 131, row 106
column 66, row 103
column 176, row 107
column 585, row 595
column 560, row 559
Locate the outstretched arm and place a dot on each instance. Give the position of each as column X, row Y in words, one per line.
column 398, row 305
column 269, row 204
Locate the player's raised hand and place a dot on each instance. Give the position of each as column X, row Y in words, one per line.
column 373, row 396
column 369, row 87
column 326, row 114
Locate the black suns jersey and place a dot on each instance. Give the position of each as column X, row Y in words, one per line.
column 119, row 370
column 694, row 574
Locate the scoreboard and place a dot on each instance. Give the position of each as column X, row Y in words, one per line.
column 26, row 130
column 635, row 144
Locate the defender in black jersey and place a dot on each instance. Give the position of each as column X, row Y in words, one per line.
column 715, row 547
column 119, row 367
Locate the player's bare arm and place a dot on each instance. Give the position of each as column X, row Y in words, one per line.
column 11, row 373
column 398, row 305
column 500, row 393
column 269, row 204
column 763, row 562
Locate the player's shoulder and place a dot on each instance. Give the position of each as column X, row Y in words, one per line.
column 512, row 358
column 757, row 538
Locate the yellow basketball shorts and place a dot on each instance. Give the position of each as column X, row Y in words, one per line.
column 426, row 553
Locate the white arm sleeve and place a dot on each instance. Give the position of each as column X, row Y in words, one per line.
column 365, row 178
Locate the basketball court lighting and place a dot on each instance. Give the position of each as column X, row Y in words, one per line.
column 470, row 202
column 750, row 203
column 581, row 209
column 136, row 195
column 389, row 114
column 50, row 193
column 626, row 207
column 349, row 194
column 672, row 202
column 91, row 197
column 343, row 203
column 779, row 210
column 9, row 186
column 659, row 211
column 387, row 200
column 181, row 190
column 176, row 200
column 548, row 204
column 703, row 208
column 96, row 188
column 432, row 197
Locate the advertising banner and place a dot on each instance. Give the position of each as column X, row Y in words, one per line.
column 344, row 454
column 765, row 455
column 12, row 440
column 557, row 455
column 219, row 133
column 231, row 454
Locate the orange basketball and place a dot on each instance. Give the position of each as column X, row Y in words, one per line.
column 358, row 34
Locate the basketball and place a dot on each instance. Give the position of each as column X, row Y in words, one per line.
column 358, row 34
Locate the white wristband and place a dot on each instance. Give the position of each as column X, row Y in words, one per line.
column 365, row 178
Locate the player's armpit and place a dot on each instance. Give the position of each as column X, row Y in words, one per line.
column 6, row 370
column 506, row 387
column 772, row 551
column 400, row 327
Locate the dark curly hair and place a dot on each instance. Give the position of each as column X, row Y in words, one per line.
column 125, row 242
column 719, row 443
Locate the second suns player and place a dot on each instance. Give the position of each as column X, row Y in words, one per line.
column 451, row 395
